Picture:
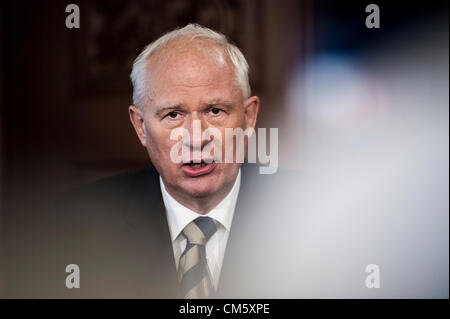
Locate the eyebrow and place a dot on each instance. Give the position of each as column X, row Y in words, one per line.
column 164, row 108
column 227, row 104
column 177, row 107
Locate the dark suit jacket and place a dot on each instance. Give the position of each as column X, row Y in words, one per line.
column 116, row 231
column 291, row 237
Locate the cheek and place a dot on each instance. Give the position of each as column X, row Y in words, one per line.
column 242, row 121
column 159, row 142
column 237, row 120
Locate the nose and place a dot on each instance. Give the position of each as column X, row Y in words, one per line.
column 196, row 126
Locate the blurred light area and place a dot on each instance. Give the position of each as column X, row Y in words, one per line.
column 368, row 134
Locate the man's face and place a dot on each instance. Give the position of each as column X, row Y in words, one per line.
column 188, row 81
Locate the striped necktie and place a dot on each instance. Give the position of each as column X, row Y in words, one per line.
column 193, row 272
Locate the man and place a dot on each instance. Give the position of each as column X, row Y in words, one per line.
column 171, row 230
column 187, row 75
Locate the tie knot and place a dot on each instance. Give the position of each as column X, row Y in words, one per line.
column 200, row 230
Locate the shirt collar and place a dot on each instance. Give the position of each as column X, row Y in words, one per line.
column 178, row 216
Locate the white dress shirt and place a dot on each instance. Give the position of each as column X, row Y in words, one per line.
column 178, row 216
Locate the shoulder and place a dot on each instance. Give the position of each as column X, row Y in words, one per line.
column 284, row 179
column 107, row 195
column 123, row 184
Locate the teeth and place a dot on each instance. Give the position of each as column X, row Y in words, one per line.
column 197, row 165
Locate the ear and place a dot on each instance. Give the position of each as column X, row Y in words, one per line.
column 137, row 119
column 251, row 109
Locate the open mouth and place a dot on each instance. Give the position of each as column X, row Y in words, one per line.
column 197, row 165
column 198, row 169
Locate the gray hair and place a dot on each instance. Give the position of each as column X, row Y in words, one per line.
column 192, row 31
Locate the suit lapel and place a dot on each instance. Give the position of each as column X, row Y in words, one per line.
column 147, row 218
column 235, row 273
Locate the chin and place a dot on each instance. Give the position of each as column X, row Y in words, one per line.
column 200, row 188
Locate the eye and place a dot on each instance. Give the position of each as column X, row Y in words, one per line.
column 215, row 111
column 173, row 115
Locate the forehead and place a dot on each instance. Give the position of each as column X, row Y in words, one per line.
column 187, row 66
